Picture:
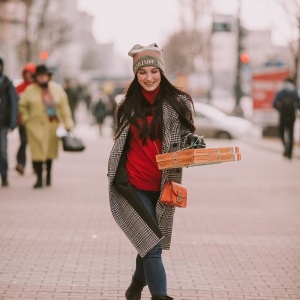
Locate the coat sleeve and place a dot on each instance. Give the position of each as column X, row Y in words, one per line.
column 184, row 131
column 24, row 107
column 277, row 100
column 297, row 100
column 13, row 105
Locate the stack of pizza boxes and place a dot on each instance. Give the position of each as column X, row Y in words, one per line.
column 196, row 157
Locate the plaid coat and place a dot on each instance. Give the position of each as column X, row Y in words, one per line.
column 141, row 235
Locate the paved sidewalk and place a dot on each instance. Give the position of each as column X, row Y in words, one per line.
column 273, row 144
column 237, row 239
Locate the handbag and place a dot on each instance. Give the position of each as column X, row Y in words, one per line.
column 174, row 194
column 72, row 144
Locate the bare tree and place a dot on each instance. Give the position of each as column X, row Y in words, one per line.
column 51, row 31
column 27, row 43
column 238, row 80
column 41, row 24
column 292, row 10
column 191, row 41
column 41, row 31
column 7, row 19
column 178, row 52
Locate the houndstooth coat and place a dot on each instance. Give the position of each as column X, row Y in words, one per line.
column 140, row 234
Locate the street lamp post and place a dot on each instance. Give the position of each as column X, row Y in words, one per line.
column 238, row 81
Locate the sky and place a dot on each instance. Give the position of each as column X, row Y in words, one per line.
column 129, row 22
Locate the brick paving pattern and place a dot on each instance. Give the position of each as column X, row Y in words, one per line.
column 237, row 239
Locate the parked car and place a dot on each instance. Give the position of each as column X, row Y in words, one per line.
column 213, row 123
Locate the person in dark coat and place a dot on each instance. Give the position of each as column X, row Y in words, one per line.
column 99, row 109
column 72, row 98
column 286, row 102
column 154, row 117
column 8, row 119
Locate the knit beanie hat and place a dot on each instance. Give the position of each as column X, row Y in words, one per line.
column 29, row 67
column 146, row 56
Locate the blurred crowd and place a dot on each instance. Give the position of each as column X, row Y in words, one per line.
column 36, row 106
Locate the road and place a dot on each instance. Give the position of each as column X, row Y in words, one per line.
column 239, row 237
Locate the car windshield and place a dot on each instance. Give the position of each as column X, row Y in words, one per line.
column 209, row 112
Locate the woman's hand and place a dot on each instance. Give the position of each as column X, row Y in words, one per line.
column 195, row 141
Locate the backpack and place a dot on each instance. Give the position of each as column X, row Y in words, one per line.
column 287, row 110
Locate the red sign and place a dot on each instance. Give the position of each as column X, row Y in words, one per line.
column 265, row 84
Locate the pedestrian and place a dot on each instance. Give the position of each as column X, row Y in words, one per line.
column 8, row 119
column 154, row 117
column 27, row 74
column 286, row 102
column 72, row 97
column 43, row 105
column 86, row 98
column 99, row 109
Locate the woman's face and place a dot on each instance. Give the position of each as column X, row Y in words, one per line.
column 149, row 78
column 42, row 78
column 28, row 77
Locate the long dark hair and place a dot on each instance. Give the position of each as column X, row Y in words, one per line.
column 135, row 107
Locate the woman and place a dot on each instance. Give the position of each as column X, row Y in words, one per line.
column 42, row 106
column 154, row 117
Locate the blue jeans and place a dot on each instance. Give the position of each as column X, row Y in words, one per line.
column 3, row 152
column 150, row 269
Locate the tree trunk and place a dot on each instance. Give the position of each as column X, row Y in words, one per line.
column 297, row 56
column 28, row 45
column 26, row 24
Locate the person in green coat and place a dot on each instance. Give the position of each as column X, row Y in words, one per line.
column 43, row 106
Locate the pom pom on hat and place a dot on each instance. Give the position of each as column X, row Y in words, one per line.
column 143, row 56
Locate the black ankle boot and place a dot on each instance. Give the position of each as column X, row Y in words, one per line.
column 134, row 291
column 4, row 181
column 49, row 167
column 48, row 180
column 38, row 166
column 38, row 184
column 161, row 298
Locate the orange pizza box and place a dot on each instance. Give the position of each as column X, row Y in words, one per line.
column 198, row 161
column 170, row 164
column 190, row 161
column 217, row 158
column 223, row 150
column 196, row 152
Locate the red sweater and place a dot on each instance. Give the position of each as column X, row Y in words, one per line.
column 141, row 165
column 21, row 87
